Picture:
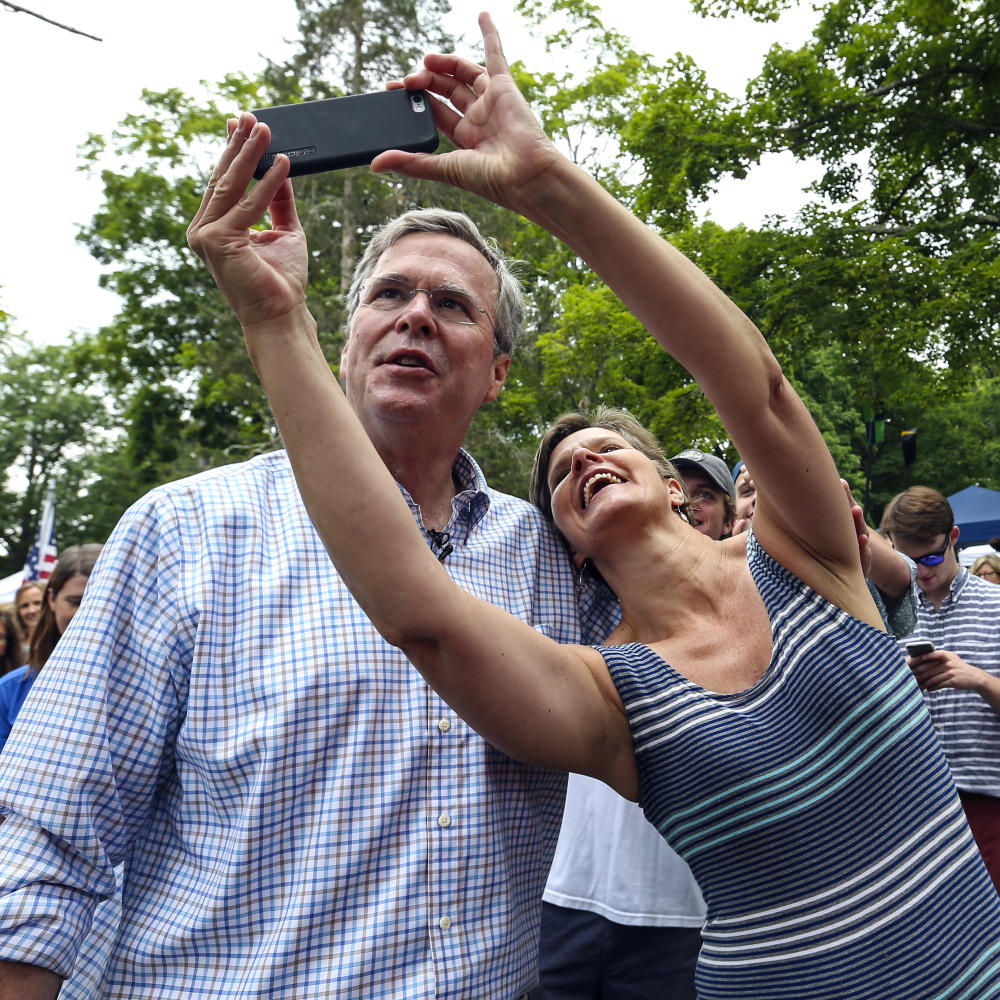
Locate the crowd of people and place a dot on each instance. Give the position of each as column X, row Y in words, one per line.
column 47, row 609
column 310, row 728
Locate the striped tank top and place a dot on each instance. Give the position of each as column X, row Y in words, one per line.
column 817, row 813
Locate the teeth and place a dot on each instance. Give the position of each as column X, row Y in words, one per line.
column 601, row 477
column 409, row 363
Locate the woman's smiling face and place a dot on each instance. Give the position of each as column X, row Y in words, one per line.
column 29, row 605
column 595, row 470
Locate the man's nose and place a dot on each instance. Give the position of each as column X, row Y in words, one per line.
column 418, row 313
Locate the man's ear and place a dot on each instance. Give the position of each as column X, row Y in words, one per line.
column 955, row 532
column 501, row 363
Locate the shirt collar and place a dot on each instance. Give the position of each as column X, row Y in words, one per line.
column 472, row 500
column 958, row 584
column 954, row 590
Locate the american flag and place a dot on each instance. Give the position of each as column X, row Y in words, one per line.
column 42, row 557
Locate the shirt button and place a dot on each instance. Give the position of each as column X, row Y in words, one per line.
column 444, row 725
column 444, row 923
column 444, row 820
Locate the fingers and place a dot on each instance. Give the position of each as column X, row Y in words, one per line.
column 422, row 166
column 446, row 118
column 233, row 125
column 452, row 66
column 227, row 196
column 231, row 195
column 281, row 208
column 496, row 62
column 456, row 80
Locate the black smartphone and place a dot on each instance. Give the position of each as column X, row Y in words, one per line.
column 348, row 131
column 919, row 647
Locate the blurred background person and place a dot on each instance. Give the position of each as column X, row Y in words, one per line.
column 28, row 605
column 709, row 489
column 988, row 568
column 960, row 614
column 12, row 653
column 745, row 492
column 61, row 599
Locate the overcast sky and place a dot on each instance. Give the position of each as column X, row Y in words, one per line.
column 60, row 87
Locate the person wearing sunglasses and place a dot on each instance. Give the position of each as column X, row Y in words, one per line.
column 959, row 613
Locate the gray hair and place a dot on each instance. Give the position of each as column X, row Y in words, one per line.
column 509, row 306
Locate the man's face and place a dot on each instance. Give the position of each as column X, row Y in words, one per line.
column 935, row 580
column 411, row 364
column 707, row 504
column 746, row 495
column 66, row 603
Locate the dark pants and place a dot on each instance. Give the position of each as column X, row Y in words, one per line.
column 983, row 814
column 586, row 957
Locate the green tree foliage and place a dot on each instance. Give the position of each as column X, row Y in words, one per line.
column 54, row 431
column 172, row 354
column 880, row 295
column 887, row 281
column 353, row 46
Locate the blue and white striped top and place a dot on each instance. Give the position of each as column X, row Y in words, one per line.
column 817, row 813
column 968, row 624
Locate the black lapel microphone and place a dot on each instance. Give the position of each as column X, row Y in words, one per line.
column 440, row 544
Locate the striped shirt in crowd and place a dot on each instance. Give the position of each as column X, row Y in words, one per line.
column 968, row 624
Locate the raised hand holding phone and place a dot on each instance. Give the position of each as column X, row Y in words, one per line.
column 502, row 153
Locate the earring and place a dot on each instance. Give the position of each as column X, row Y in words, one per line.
column 581, row 575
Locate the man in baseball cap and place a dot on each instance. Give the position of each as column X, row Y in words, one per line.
column 709, row 486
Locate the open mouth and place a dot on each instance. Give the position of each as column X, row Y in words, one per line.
column 410, row 359
column 596, row 483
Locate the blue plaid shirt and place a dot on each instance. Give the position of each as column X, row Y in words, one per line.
column 298, row 814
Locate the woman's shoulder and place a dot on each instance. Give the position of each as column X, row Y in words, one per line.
column 786, row 574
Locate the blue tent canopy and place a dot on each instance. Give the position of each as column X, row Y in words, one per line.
column 977, row 513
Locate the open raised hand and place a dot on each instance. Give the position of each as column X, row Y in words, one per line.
column 262, row 273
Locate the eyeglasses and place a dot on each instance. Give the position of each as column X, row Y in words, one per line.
column 935, row 558
column 449, row 304
column 990, row 574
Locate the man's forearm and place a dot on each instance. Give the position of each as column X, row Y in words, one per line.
column 27, row 982
column 989, row 691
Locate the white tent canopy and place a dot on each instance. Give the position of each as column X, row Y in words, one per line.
column 8, row 586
